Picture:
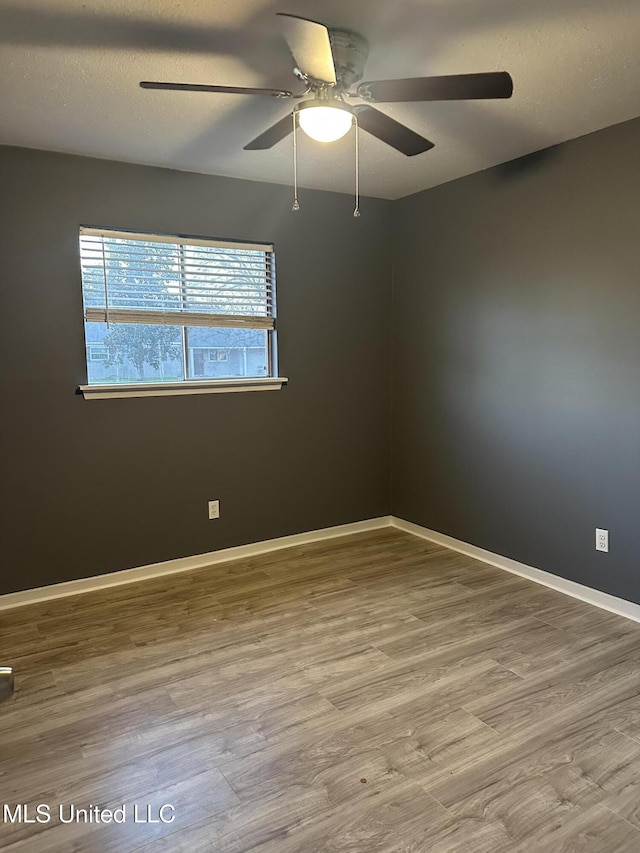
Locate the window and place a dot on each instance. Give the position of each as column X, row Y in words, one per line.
column 218, row 355
column 167, row 314
column 96, row 353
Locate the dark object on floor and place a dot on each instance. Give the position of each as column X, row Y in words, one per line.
column 6, row 683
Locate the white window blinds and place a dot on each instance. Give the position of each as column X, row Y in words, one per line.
column 182, row 281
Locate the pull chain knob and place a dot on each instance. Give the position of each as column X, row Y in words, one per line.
column 295, row 205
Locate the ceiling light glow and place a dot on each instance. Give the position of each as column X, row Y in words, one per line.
column 325, row 123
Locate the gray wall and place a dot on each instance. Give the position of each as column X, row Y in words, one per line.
column 516, row 365
column 516, row 369
column 93, row 487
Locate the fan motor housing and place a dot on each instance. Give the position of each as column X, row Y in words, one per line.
column 350, row 52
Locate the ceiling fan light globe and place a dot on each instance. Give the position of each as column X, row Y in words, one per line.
column 325, row 124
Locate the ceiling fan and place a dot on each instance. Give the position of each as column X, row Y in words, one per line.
column 328, row 62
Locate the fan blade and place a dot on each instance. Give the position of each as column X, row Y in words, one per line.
column 228, row 90
column 310, row 46
column 389, row 130
column 455, row 87
column 272, row 135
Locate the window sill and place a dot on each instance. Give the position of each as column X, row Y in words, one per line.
column 168, row 389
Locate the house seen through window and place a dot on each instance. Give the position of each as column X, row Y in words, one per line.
column 170, row 309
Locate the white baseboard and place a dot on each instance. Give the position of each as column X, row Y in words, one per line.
column 184, row 564
column 619, row 606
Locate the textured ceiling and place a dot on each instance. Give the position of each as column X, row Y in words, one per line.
column 69, row 72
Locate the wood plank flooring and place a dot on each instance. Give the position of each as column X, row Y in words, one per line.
column 369, row 694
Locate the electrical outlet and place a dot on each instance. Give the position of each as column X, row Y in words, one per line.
column 602, row 539
column 214, row 509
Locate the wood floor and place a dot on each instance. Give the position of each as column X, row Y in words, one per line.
column 371, row 693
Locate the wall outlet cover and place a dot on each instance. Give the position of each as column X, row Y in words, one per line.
column 602, row 539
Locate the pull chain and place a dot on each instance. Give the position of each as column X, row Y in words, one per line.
column 295, row 205
column 356, row 210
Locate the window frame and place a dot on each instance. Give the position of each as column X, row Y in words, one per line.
column 181, row 319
